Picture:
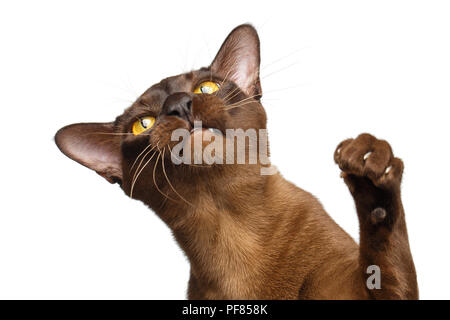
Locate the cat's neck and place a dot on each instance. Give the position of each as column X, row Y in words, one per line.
column 224, row 230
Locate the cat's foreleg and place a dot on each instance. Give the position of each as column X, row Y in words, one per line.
column 374, row 175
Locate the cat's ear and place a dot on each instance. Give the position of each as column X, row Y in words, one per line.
column 93, row 145
column 238, row 59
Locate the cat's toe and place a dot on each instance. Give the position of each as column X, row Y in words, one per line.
column 369, row 157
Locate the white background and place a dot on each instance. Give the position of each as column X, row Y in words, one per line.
column 331, row 70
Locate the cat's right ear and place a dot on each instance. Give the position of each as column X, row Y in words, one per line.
column 93, row 145
column 238, row 60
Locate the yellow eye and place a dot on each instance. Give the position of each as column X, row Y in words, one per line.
column 207, row 87
column 143, row 125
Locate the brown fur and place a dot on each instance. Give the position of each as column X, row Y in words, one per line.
column 247, row 235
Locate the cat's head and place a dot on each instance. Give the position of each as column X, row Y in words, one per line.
column 136, row 150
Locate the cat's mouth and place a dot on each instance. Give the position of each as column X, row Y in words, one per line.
column 203, row 135
column 202, row 129
column 199, row 124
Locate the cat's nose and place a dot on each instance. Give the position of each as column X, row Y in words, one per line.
column 179, row 105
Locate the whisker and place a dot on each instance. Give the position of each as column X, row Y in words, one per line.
column 228, row 98
column 243, row 100
column 239, row 106
column 140, row 163
column 287, row 88
column 232, row 94
column 268, row 92
column 282, row 58
column 115, row 133
column 188, row 164
column 168, row 181
column 140, row 155
column 137, row 176
column 154, row 179
column 279, row 70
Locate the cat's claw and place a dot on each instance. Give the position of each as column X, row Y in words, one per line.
column 367, row 155
column 388, row 169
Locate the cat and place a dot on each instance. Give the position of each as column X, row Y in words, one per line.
column 249, row 235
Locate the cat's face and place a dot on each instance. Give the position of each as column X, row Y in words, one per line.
column 225, row 95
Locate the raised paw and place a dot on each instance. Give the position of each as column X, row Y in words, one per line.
column 373, row 176
column 370, row 158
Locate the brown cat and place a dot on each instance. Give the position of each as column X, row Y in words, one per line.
column 248, row 235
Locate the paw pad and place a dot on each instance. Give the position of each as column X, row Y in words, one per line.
column 377, row 215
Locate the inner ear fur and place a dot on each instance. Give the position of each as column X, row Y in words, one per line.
column 239, row 59
column 93, row 145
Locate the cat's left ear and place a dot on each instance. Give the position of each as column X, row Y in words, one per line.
column 94, row 145
column 239, row 58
